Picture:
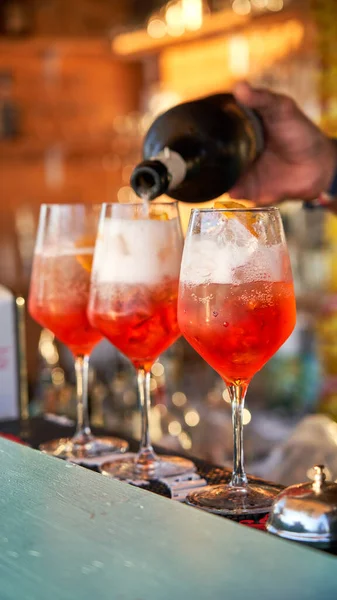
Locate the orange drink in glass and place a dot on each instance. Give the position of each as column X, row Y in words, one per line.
column 236, row 308
column 58, row 300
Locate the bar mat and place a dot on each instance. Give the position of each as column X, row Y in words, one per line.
column 213, row 476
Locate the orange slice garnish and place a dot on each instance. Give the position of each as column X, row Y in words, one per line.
column 144, row 210
column 86, row 242
column 162, row 216
column 228, row 204
column 250, row 219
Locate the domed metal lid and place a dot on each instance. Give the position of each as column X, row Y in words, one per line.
column 306, row 512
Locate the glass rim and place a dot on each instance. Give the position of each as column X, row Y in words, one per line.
column 150, row 203
column 68, row 204
column 256, row 209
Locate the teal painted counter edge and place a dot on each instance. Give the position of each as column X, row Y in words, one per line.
column 71, row 534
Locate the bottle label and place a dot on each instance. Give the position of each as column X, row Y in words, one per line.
column 175, row 164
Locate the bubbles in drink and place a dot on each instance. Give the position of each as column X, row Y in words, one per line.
column 253, row 320
column 59, row 296
column 226, row 261
column 236, row 301
column 135, row 283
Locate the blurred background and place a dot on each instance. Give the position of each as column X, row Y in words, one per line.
column 80, row 82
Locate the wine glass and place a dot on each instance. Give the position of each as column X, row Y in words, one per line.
column 133, row 303
column 236, row 308
column 58, row 300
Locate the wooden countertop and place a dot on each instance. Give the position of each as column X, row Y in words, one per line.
column 70, row 534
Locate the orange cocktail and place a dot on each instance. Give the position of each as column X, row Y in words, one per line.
column 236, row 308
column 61, row 303
column 58, row 300
column 133, row 303
column 240, row 327
column 141, row 321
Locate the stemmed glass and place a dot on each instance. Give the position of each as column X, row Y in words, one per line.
column 58, row 301
column 236, row 308
column 133, row 303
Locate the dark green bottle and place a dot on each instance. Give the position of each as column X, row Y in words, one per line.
column 198, row 150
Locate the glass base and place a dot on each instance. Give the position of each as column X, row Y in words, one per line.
column 91, row 447
column 163, row 466
column 228, row 500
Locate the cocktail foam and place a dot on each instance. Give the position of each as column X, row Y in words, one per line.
column 137, row 251
column 206, row 261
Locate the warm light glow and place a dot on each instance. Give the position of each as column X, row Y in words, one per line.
column 57, row 376
column 173, row 14
column 192, row 14
column 160, row 409
column 174, row 19
column 242, row 7
column 162, row 100
column 179, row 398
column 46, row 334
column 156, row 28
column 181, row 70
column 225, row 396
column 125, row 195
column 153, row 384
column 47, row 348
column 174, row 428
column 138, row 42
column 259, row 4
column 155, row 425
column 176, row 31
column 185, row 440
column 247, row 417
column 20, row 301
column 276, row 43
column 275, row 5
column 238, row 49
column 157, row 369
column 312, row 472
column 192, row 418
column 129, row 124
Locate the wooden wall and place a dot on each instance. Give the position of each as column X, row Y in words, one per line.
column 73, row 99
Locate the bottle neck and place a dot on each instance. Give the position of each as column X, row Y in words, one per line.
column 175, row 165
column 159, row 174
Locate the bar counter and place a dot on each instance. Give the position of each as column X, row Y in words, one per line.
column 68, row 533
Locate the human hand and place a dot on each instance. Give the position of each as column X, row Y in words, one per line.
column 298, row 161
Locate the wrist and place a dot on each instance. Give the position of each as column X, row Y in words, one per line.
column 330, row 170
column 327, row 184
column 332, row 189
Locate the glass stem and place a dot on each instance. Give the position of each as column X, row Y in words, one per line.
column 83, row 431
column 237, row 395
column 146, row 453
